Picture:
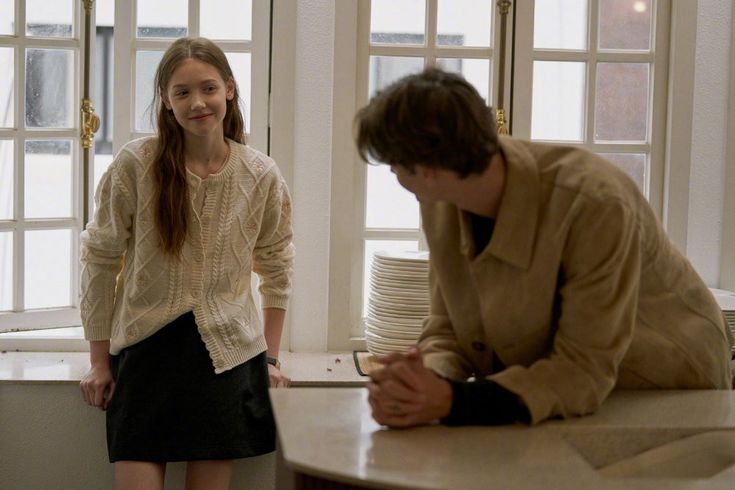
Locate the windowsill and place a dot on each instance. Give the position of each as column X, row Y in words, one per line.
column 331, row 369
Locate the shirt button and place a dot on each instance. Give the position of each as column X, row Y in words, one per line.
column 198, row 257
column 196, row 293
column 478, row 346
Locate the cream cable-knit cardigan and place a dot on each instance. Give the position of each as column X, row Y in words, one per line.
column 239, row 220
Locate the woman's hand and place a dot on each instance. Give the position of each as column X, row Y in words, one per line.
column 98, row 386
column 277, row 379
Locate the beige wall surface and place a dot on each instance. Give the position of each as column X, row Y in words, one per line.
column 51, row 440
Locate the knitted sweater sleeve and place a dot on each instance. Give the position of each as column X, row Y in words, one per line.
column 274, row 251
column 103, row 244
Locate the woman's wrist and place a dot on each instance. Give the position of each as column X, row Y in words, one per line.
column 273, row 361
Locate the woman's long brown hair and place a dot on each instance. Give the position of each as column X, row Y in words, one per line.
column 169, row 163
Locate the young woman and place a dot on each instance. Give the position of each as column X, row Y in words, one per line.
column 180, row 359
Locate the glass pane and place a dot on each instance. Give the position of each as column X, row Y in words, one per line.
column 6, row 271
column 477, row 72
column 163, row 18
column 625, row 24
column 372, row 246
column 48, row 179
column 47, row 268
column 103, row 77
column 226, row 19
column 7, row 17
column 50, row 88
column 621, row 102
column 240, row 64
column 49, row 18
column 146, row 63
column 7, row 88
column 464, row 23
column 397, row 21
column 558, row 100
column 385, row 70
column 7, row 175
column 388, row 204
column 560, row 24
column 634, row 164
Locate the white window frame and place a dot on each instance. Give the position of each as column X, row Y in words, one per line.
column 18, row 319
column 657, row 57
column 126, row 45
column 351, row 57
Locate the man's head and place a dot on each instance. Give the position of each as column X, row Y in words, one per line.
column 434, row 118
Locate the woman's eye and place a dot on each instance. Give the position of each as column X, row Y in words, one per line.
column 180, row 93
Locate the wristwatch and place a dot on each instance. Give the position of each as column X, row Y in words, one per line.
column 273, row 361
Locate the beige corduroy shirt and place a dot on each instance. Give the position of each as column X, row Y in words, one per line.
column 239, row 221
column 579, row 290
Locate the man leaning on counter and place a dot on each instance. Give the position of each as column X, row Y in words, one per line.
column 552, row 282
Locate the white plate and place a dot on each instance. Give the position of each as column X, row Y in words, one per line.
column 404, row 256
column 408, row 306
column 411, row 286
column 389, row 341
column 371, row 326
column 415, row 267
column 417, row 299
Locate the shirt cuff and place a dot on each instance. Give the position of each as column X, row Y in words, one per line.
column 484, row 402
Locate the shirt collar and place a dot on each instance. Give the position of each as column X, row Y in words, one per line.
column 518, row 214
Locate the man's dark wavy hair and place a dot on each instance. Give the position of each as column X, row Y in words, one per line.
column 433, row 118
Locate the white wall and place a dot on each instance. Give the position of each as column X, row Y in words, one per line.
column 709, row 137
column 49, row 439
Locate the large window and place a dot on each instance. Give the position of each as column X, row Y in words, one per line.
column 588, row 73
column 41, row 164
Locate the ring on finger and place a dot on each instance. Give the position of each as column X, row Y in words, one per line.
column 394, row 407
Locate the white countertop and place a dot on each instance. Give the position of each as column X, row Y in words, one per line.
column 329, row 433
column 304, row 369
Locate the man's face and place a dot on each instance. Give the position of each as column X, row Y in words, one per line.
column 416, row 181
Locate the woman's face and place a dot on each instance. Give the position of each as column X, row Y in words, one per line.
column 198, row 97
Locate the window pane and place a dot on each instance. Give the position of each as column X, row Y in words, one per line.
column 388, row 204
column 7, row 88
column 558, row 100
column 146, row 63
column 7, row 175
column 6, row 271
column 477, row 72
column 226, row 19
column 49, row 18
column 464, row 22
column 621, row 102
column 48, row 174
column 47, row 268
column 560, row 24
column 49, row 88
column 397, row 21
column 163, row 18
column 372, row 246
column 240, row 64
column 634, row 164
column 385, row 70
column 7, row 17
column 625, row 24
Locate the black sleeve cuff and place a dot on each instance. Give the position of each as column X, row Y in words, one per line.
column 484, row 402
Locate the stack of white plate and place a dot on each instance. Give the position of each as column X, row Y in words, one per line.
column 726, row 300
column 398, row 302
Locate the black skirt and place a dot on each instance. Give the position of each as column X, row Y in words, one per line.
column 169, row 405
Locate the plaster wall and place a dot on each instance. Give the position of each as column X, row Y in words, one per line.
column 709, row 138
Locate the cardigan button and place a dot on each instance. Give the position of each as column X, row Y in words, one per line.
column 478, row 346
